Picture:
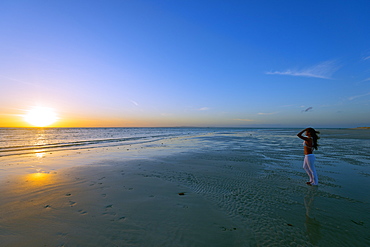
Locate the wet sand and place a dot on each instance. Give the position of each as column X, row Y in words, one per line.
column 113, row 203
column 200, row 191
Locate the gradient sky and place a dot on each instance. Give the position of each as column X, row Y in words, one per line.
column 186, row 62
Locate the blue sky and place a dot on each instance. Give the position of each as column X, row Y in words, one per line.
column 187, row 63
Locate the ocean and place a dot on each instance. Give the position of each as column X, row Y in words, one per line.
column 253, row 177
column 20, row 141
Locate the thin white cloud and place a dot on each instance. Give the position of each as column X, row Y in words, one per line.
column 134, row 102
column 367, row 58
column 203, row 109
column 323, row 70
column 19, row 81
column 244, row 120
column 267, row 113
column 358, row 96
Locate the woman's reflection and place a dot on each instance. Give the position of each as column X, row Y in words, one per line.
column 312, row 224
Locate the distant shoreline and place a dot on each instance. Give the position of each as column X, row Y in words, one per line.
column 362, row 128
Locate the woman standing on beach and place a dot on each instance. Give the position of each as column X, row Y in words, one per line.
column 309, row 144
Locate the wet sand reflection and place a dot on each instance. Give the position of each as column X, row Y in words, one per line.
column 313, row 226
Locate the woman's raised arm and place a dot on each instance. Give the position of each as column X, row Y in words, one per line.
column 300, row 135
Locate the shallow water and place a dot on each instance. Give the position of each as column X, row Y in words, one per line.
column 250, row 179
column 257, row 179
column 19, row 141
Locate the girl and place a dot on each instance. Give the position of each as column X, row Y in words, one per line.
column 309, row 144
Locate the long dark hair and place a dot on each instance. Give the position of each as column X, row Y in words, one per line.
column 315, row 137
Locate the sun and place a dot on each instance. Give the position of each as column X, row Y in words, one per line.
column 41, row 116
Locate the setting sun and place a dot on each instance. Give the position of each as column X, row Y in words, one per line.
column 41, row 116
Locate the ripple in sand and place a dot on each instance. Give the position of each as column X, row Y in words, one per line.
column 82, row 212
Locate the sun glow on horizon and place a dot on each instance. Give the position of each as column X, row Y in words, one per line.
column 41, row 116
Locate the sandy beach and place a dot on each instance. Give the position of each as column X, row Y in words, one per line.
column 222, row 189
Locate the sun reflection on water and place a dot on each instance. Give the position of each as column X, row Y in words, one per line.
column 39, row 179
column 40, row 140
column 40, row 154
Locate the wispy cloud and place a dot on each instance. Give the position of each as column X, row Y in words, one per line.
column 267, row 113
column 358, row 96
column 204, row 109
column 19, row 81
column 322, row 70
column 286, row 105
column 367, row 58
column 244, row 120
column 134, row 102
